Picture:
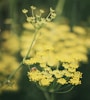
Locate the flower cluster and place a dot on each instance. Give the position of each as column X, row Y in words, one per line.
column 36, row 19
column 55, row 58
column 48, row 75
column 47, row 68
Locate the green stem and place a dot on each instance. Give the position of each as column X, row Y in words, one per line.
column 47, row 96
column 20, row 65
column 31, row 45
column 67, row 90
column 52, row 96
column 59, row 9
column 13, row 73
column 73, row 19
column 13, row 15
column 60, row 6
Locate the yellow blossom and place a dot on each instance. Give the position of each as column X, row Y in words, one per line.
column 79, row 30
column 33, row 7
column 46, row 81
column 77, row 74
column 71, row 69
column 75, row 81
column 25, row 11
column 57, row 73
column 67, row 73
column 62, row 81
column 34, row 75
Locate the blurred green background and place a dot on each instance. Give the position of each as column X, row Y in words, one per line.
column 77, row 12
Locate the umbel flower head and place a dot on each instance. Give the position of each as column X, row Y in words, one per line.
column 52, row 77
column 36, row 19
column 52, row 68
column 53, row 64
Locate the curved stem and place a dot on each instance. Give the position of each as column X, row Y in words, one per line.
column 66, row 91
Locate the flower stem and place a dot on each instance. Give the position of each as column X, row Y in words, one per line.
column 20, row 65
column 31, row 45
column 12, row 74
column 52, row 96
column 47, row 96
column 59, row 9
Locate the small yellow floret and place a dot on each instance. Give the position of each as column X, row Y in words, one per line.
column 34, row 75
column 24, row 11
column 75, row 81
column 57, row 73
column 62, row 81
column 45, row 81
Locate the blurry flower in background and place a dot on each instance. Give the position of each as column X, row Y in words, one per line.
column 8, row 61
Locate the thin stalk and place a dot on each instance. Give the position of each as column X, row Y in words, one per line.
column 31, row 45
column 59, row 9
column 32, row 13
column 47, row 96
column 20, row 65
column 13, row 15
column 60, row 6
column 73, row 19
column 13, row 73
column 66, row 91
column 52, row 96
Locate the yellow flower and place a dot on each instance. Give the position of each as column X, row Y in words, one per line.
column 46, row 74
column 43, row 65
column 58, row 73
column 79, row 30
column 28, row 26
column 33, row 7
column 46, row 81
column 30, row 61
column 62, row 81
column 70, row 69
column 41, row 11
column 24, row 11
column 66, row 58
column 59, row 57
column 67, row 73
column 34, row 75
column 77, row 74
column 75, row 81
